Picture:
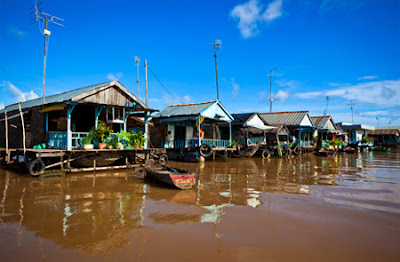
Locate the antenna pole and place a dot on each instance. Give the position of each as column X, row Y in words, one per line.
column 145, row 79
column 44, row 59
column 327, row 103
column 352, row 115
column 270, row 89
column 137, row 81
column 40, row 15
column 216, row 45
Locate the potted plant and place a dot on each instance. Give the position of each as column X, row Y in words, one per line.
column 139, row 139
column 101, row 133
column 315, row 139
column 234, row 144
column 87, row 141
column 112, row 143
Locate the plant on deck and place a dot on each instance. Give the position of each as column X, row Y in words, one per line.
column 102, row 132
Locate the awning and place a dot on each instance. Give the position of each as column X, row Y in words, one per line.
column 54, row 108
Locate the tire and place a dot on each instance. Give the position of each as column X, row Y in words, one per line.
column 266, row 153
column 163, row 159
column 36, row 167
column 205, row 150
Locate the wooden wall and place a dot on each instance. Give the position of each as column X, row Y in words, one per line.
column 111, row 96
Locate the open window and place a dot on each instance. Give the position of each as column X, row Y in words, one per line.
column 115, row 115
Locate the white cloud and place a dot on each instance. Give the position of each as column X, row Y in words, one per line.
column 235, row 88
column 282, row 95
column 16, row 32
column 116, row 76
column 187, row 98
column 17, row 94
column 1, row 105
column 367, row 78
column 385, row 93
column 293, row 84
column 273, row 11
column 375, row 113
column 250, row 16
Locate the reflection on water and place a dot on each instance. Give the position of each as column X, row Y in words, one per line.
column 99, row 213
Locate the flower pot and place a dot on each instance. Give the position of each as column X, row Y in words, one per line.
column 110, row 147
column 128, row 147
column 88, row 146
column 102, row 145
column 120, row 146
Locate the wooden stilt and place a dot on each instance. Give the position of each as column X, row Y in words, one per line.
column 6, row 126
column 23, row 127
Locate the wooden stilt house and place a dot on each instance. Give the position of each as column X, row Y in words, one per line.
column 191, row 125
column 67, row 117
column 327, row 129
column 298, row 122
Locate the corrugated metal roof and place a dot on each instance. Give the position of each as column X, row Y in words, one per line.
column 383, row 132
column 184, row 109
column 63, row 97
column 291, row 118
column 241, row 118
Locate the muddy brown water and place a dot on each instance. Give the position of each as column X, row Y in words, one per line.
column 306, row 208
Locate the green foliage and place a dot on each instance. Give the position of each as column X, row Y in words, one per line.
column 336, row 142
column 364, row 140
column 234, row 143
column 113, row 143
column 102, row 131
column 315, row 139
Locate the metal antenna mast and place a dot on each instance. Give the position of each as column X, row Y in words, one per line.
column 327, row 102
column 137, row 66
column 270, row 88
column 217, row 46
column 42, row 16
column 352, row 115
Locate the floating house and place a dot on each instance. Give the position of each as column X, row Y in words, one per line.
column 191, row 125
column 249, row 128
column 356, row 132
column 384, row 136
column 65, row 118
column 327, row 130
column 298, row 122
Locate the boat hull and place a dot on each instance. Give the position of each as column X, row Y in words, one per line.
column 175, row 177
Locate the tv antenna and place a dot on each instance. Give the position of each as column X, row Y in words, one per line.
column 352, row 115
column 327, row 103
column 217, row 46
column 137, row 81
column 39, row 16
column 271, row 71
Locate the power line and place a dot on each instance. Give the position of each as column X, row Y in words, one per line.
column 164, row 86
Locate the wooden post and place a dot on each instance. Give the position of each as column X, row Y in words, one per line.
column 6, row 126
column 23, row 127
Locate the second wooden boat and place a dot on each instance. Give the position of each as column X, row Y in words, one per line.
column 176, row 177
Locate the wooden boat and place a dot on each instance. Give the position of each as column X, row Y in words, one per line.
column 102, row 159
column 176, row 177
column 250, row 150
column 384, row 149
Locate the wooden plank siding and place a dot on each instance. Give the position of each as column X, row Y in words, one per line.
column 110, row 96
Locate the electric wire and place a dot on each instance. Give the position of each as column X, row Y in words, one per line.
column 164, row 86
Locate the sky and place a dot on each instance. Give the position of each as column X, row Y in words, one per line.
column 327, row 53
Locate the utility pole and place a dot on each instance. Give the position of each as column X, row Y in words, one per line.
column 217, row 46
column 137, row 81
column 40, row 15
column 270, row 88
column 327, row 102
column 352, row 115
column 145, row 80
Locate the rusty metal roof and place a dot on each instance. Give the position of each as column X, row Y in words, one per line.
column 68, row 96
column 392, row 131
column 290, row 118
column 323, row 122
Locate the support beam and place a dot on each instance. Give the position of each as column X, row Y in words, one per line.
column 146, row 129
column 198, row 130
column 6, row 126
column 23, row 127
column 69, row 132
column 126, row 118
column 230, row 132
column 97, row 113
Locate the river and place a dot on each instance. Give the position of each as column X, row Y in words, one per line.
column 305, row 208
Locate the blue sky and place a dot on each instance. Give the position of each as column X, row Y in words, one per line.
column 347, row 50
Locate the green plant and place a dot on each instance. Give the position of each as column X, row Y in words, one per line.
column 233, row 143
column 315, row 139
column 336, row 142
column 88, row 139
column 364, row 140
column 102, row 131
column 113, row 143
column 124, row 137
column 138, row 139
